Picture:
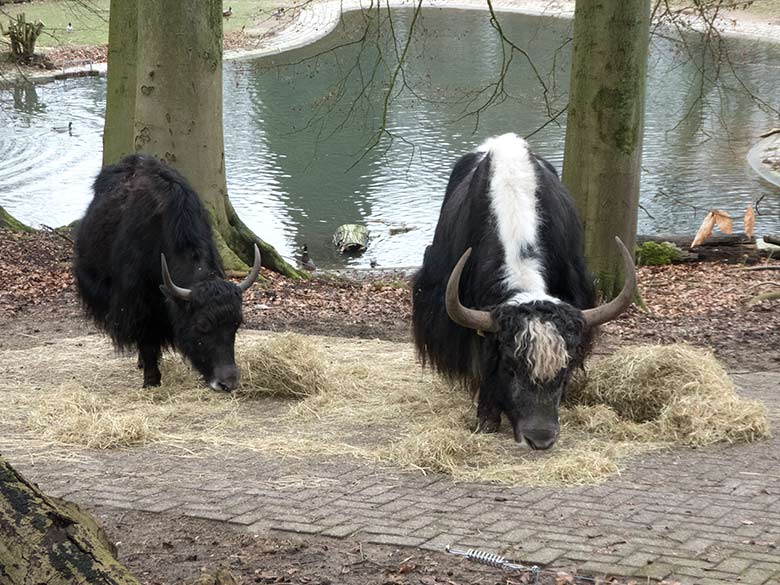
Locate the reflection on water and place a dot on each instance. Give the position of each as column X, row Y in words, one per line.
column 297, row 136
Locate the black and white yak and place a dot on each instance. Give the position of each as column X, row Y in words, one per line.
column 504, row 301
column 143, row 218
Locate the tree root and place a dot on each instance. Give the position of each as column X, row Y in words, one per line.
column 9, row 222
column 236, row 248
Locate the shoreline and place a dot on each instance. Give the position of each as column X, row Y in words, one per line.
column 764, row 158
column 317, row 20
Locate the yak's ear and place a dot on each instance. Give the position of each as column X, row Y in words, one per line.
column 164, row 291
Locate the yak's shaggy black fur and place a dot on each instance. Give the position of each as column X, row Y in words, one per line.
column 142, row 208
column 466, row 221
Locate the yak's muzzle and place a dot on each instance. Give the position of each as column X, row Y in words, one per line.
column 225, row 378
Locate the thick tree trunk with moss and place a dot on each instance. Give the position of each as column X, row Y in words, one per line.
column 603, row 153
column 46, row 540
column 178, row 114
column 9, row 222
column 120, row 93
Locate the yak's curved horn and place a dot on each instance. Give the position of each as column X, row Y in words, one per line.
column 471, row 318
column 252, row 276
column 184, row 294
column 611, row 310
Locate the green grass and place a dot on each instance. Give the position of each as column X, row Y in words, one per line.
column 90, row 18
column 758, row 8
column 766, row 7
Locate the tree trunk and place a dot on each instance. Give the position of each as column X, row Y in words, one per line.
column 45, row 540
column 603, row 152
column 120, row 93
column 9, row 222
column 178, row 115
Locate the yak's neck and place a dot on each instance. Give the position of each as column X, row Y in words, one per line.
column 513, row 204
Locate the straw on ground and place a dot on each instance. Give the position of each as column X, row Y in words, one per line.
column 316, row 396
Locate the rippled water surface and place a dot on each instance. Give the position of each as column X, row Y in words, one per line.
column 297, row 135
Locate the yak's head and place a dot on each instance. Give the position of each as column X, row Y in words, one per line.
column 205, row 320
column 531, row 350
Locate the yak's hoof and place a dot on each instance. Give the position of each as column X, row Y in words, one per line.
column 151, row 383
column 487, row 426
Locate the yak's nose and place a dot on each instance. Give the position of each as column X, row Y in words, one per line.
column 540, row 438
column 225, row 378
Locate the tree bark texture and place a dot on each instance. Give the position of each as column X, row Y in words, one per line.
column 120, row 94
column 178, row 115
column 46, row 540
column 603, row 152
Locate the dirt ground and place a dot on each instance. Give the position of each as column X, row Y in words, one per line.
column 699, row 303
column 161, row 549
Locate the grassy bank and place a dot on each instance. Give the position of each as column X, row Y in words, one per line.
column 765, row 8
column 90, row 18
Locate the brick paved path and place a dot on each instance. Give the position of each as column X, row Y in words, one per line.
column 703, row 516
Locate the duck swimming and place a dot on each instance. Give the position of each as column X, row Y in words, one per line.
column 63, row 129
column 305, row 260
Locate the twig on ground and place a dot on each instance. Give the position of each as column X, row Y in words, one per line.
column 758, row 268
column 54, row 231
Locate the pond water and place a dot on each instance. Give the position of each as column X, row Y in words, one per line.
column 296, row 135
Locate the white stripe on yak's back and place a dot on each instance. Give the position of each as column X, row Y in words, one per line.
column 513, row 203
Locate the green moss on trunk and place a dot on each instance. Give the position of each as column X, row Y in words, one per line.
column 9, row 222
column 45, row 540
column 121, row 86
column 603, row 153
column 178, row 116
column 241, row 241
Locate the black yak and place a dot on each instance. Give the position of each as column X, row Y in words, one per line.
column 143, row 218
column 503, row 301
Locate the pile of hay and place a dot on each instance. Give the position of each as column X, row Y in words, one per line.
column 75, row 416
column 285, row 365
column 370, row 399
column 674, row 393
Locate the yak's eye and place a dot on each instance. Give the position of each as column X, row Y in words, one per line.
column 203, row 325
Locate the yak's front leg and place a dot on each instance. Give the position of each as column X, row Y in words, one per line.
column 488, row 412
column 149, row 361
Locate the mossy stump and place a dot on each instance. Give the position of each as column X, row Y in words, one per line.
column 47, row 540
